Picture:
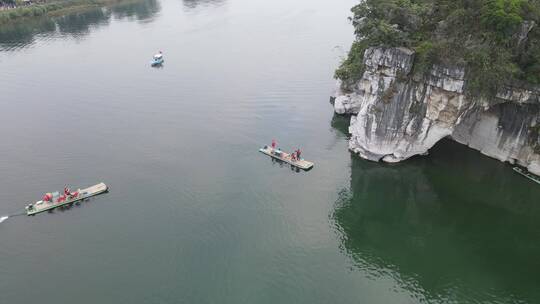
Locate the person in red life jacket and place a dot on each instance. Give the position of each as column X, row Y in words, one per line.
column 293, row 156
column 66, row 191
column 273, row 144
column 298, row 152
column 46, row 197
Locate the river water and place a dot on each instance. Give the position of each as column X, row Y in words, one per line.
column 195, row 214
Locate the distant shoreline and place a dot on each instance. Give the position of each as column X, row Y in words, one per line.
column 52, row 9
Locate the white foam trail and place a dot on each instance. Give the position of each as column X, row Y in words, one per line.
column 3, row 218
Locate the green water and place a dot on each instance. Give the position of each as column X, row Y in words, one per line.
column 452, row 227
column 195, row 214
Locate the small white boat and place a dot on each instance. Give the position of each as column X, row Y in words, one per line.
column 157, row 60
column 528, row 175
column 287, row 158
column 61, row 200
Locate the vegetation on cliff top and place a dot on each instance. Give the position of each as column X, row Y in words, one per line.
column 496, row 41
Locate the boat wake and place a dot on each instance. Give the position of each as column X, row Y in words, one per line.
column 5, row 217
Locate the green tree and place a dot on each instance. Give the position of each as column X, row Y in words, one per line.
column 478, row 35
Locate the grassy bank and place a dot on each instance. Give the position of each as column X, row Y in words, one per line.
column 52, row 9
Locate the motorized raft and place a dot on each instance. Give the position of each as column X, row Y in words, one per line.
column 55, row 199
column 288, row 158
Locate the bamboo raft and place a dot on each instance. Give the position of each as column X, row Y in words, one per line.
column 286, row 157
column 41, row 206
column 528, row 175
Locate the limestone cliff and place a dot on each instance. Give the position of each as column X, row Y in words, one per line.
column 395, row 115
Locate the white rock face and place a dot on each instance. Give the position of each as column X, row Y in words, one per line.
column 396, row 116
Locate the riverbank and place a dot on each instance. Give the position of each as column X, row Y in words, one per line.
column 53, row 9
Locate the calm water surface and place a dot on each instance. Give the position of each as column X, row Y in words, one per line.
column 195, row 214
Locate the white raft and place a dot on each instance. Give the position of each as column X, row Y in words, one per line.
column 41, row 206
column 286, row 157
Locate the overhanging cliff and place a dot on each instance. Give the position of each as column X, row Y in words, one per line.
column 396, row 114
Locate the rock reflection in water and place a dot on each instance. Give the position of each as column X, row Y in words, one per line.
column 192, row 4
column 140, row 10
column 341, row 123
column 445, row 227
column 79, row 24
column 21, row 34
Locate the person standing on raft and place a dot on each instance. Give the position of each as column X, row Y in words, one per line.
column 273, row 144
column 47, row 197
